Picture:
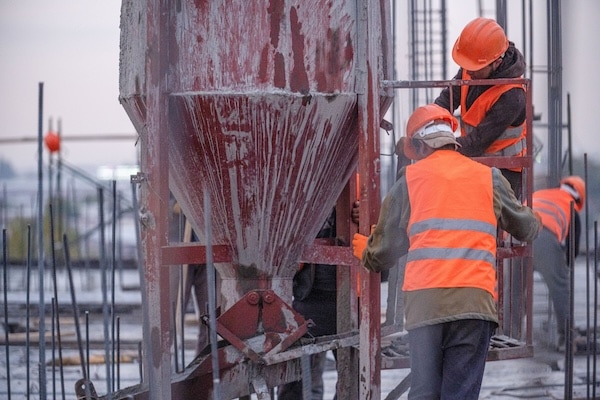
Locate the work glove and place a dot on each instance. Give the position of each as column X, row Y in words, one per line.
column 359, row 244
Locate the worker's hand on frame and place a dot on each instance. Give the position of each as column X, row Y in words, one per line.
column 359, row 244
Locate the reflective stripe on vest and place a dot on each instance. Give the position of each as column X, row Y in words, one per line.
column 554, row 206
column 452, row 240
column 512, row 142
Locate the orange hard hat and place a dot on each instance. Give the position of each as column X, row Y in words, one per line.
column 481, row 42
column 578, row 189
column 423, row 117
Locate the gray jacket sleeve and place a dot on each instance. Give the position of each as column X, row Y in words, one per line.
column 389, row 241
column 513, row 217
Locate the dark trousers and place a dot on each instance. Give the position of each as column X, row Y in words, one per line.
column 320, row 307
column 447, row 360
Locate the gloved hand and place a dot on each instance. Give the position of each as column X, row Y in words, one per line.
column 359, row 244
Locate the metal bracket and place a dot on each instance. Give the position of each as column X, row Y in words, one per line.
column 138, row 178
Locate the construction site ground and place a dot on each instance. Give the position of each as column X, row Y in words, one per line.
column 539, row 377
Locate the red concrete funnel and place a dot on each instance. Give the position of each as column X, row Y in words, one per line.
column 263, row 116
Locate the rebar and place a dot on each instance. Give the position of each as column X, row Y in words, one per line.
column 212, row 303
column 5, row 280
column 27, row 313
column 55, row 287
column 113, row 277
column 40, row 242
column 82, row 359
column 104, row 284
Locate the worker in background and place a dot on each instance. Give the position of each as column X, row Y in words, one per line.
column 551, row 250
column 315, row 298
column 443, row 213
column 492, row 117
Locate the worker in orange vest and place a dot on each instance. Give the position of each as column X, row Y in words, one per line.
column 443, row 213
column 551, row 250
column 492, row 116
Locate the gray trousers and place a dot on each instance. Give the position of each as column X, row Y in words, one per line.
column 549, row 259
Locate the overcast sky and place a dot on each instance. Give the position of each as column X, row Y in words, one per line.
column 72, row 46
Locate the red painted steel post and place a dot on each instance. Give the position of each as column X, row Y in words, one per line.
column 155, row 202
column 369, row 42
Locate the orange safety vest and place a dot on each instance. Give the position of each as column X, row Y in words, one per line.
column 512, row 142
column 554, row 206
column 452, row 225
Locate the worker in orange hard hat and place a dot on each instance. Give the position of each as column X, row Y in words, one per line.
column 443, row 213
column 552, row 249
column 492, row 117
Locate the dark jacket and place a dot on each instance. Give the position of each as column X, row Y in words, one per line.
column 319, row 278
column 509, row 110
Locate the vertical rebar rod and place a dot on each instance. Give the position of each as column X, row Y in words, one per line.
column 53, row 330
column 104, row 284
column 75, row 306
column 141, row 268
column 587, row 257
column 87, row 343
column 55, row 288
column 59, row 343
column 5, row 280
column 212, row 303
column 4, row 209
column 59, row 196
column 570, row 326
column 40, row 243
column 175, row 341
column 118, row 378
column 181, row 223
column 28, row 314
column 113, row 275
column 595, row 331
column 141, row 362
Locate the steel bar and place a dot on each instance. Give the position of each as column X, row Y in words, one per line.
column 5, row 290
column 104, row 288
column 141, row 270
column 75, row 307
column 59, row 344
column 53, row 341
column 87, row 343
column 175, row 339
column 212, row 297
column 113, row 256
column 55, row 288
column 595, row 331
column 118, row 374
column 27, row 314
column 40, row 244
column 587, row 265
column 568, row 392
column 74, row 138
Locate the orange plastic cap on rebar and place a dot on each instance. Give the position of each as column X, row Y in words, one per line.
column 481, row 42
column 52, row 141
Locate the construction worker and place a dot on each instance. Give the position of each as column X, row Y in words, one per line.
column 443, row 213
column 493, row 116
column 551, row 250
